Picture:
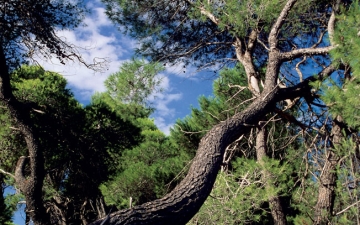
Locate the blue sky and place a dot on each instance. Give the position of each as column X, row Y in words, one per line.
column 100, row 39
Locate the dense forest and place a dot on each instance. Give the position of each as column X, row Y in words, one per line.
column 276, row 143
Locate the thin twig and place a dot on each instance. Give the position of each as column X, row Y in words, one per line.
column 7, row 173
column 342, row 211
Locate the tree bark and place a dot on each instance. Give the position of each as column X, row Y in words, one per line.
column 179, row 206
column 326, row 193
column 29, row 184
column 276, row 207
column 244, row 55
column 327, row 182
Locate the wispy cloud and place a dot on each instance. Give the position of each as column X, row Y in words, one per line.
column 181, row 70
column 164, row 115
column 99, row 39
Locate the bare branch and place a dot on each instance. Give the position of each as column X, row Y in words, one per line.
column 331, row 23
column 206, row 13
column 279, row 22
column 344, row 210
column 298, row 70
column 7, row 173
column 241, row 88
column 319, row 40
column 286, row 56
column 190, row 132
column 14, row 128
column 245, row 58
column 238, row 48
column 193, row 49
column 252, row 40
column 299, row 90
column 38, row 111
column 209, row 15
column 263, row 44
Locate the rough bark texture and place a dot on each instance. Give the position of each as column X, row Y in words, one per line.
column 29, row 184
column 327, row 182
column 276, row 208
column 179, row 206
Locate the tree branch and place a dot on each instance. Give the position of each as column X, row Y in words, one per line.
column 20, row 172
column 273, row 40
column 245, row 58
column 302, row 89
column 298, row 69
column 286, row 56
column 263, row 44
column 275, row 61
column 206, row 13
column 252, row 40
column 209, row 15
column 331, row 23
column 348, row 207
column 7, row 173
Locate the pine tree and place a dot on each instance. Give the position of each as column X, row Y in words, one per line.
column 81, row 145
column 151, row 169
column 275, row 41
column 28, row 28
column 300, row 63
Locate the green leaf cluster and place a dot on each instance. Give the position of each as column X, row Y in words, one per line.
column 342, row 97
column 148, row 170
column 134, row 82
column 81, row 145
column 240, row 196
column 6, row 208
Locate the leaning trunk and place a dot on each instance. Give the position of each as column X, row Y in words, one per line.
column 179, row 206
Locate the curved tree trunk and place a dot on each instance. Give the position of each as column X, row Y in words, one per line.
column 179, row 206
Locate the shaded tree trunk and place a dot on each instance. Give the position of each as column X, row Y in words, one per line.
column 276, row 207
column 30, row 184
column 327, row 182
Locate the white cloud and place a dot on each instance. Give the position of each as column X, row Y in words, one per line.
column 97, row 40
column 100, row 39
column 162, row 125
column 181, row 70
column 161, row 101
